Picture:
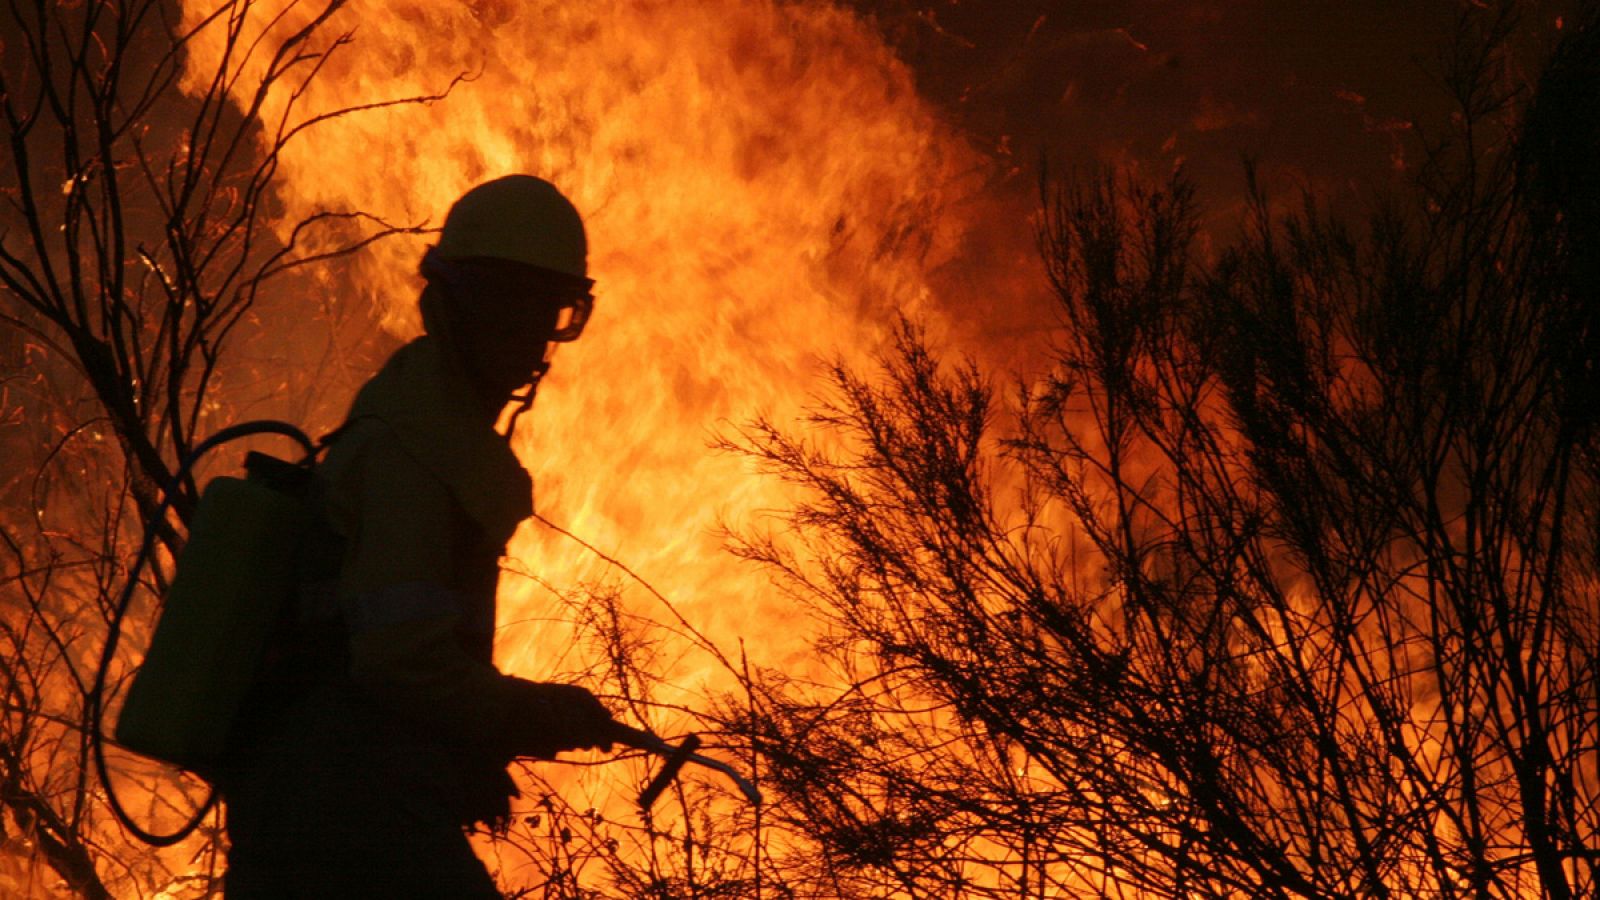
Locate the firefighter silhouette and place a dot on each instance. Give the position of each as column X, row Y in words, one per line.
column 386, row 731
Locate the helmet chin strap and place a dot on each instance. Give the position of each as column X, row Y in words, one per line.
column 524, row 400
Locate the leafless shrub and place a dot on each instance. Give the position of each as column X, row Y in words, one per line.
column 1284, row 585
column 137, row 238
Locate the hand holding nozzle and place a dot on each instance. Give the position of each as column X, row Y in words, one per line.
column 554, row 718
column 676, row 758
column 669, row 771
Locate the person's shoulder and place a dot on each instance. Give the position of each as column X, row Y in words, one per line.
column 354, row 439
column 366, row 446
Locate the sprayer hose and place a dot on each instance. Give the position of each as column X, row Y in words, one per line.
column 95, row 702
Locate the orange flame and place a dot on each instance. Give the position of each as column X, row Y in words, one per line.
column 764, row 191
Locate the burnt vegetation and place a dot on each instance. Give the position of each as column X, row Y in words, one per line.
column 138, row 238
column 1282, row 584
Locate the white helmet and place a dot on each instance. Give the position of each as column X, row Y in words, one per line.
column 523, row 220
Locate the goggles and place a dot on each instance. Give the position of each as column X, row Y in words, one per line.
column 571, row 319
column 510, row 283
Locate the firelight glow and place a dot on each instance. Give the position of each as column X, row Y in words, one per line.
column 764, row 191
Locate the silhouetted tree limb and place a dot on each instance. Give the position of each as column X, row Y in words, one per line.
column 1284, row 584
column 138, row 230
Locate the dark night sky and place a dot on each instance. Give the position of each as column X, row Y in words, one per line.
column 1326, row 97
column 1315, row 90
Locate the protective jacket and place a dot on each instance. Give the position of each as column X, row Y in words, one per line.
column 369, row 770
